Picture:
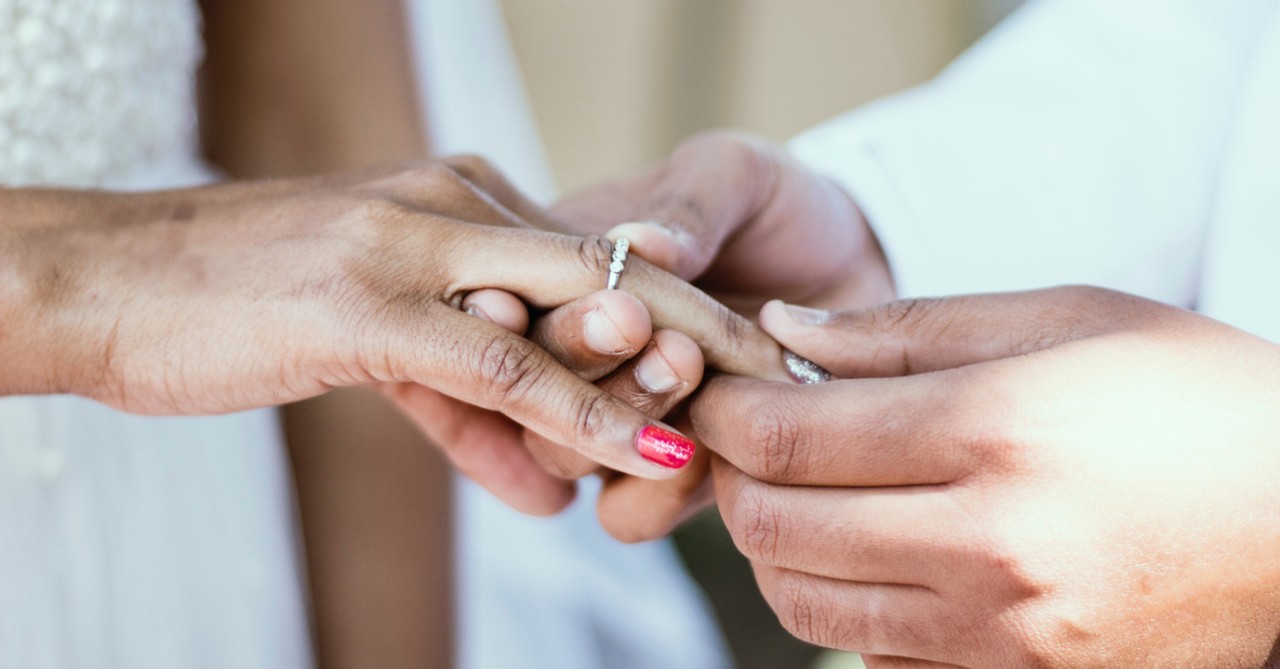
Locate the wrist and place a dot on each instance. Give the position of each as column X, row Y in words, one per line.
column 43, row 349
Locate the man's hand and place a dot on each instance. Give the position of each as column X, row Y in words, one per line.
column 1066, row 478
column 744, row 222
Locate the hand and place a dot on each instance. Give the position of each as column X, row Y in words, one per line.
column 606, row 338
column 744, row 222
column 1061, row 478
column 247, row 295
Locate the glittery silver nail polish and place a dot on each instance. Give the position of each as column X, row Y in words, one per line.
column 803, row 370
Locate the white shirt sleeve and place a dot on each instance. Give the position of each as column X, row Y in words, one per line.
column 1079, row 142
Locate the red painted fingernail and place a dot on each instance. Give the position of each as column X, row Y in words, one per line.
column 664, row 447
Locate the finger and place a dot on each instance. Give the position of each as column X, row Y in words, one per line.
column 879, row 618
column 485, row 447
column 917, row 430
column 633, row 509
column 594, row 335
column 653, row 382
column 498, row 306
column 712, row 186
column 902, row 535
column 482, row 364
column 548, row 270
column 923, row 335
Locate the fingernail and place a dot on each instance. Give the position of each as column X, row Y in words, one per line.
column 655, row 374
column 602, row 335
column 475, row 310
column 804, row 370
column 664, row 447
column 807, row 316
column 655, row 225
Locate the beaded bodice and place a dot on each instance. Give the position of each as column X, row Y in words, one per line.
column 93, row 90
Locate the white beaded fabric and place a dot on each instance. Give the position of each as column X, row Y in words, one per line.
column 130, row 542
column 92, row 91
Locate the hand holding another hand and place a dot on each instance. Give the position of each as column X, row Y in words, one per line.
column 1070, row 477
column 747, row 224
column 254, row 294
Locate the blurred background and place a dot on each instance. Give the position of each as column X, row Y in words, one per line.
column 615, row 84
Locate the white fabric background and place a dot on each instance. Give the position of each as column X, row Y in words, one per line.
column 1120, row 143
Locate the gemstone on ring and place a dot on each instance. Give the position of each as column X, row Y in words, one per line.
column 620, row 248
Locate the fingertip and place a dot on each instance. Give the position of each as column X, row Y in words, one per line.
column 498, row 307
column 659, row 244
column 807, row 355
column 664, row 447
column 551, row 502
column 674, row 360
column 618, row 324
column 780, row 319
column 519, row 482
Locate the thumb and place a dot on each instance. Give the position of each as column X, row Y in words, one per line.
column 925, row 335
column 711, row 187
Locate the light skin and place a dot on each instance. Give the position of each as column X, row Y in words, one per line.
column 1063, row 478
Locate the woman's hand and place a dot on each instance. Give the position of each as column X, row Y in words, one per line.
column 1061, row 478
column 255, row 294
column 746, row 223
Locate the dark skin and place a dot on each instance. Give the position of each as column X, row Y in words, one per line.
column 284, row 97
column 294, row 87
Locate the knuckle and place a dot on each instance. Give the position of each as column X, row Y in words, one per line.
column 803, row 610
column 378, row 212
column 1036, row 637
column 594, row 253
column 733, row 327
column 449, row 184
column 998, row 556
column 432, row 186
column 589, row 412
column 756, row 525
column 907, row 315
column 510, row 367
column 374, row 225
column 993, row 435
column 472, row 167
column 777, row 437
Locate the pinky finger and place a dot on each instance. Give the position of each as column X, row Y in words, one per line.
column 880, row 618
column 485, row 447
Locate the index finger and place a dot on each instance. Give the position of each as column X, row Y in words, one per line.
column 916, row 430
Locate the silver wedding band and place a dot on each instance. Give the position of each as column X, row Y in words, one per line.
column 620, row 248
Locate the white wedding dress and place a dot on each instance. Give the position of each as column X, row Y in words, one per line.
column 135, row 542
